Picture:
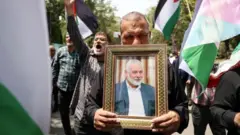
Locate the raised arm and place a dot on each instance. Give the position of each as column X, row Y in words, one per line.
column 74, row 32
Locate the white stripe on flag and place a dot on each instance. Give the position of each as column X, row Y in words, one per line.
column 184, row 66
column 84, row 30
column 165, row 14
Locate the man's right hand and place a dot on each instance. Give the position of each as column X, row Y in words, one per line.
column 237, row 119
column 104, row 119
column 69, row 6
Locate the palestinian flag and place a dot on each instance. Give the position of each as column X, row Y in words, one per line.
column 166, row 16
column 213, row 22
column 86, row 20
column 232, row 63
column 25, row 75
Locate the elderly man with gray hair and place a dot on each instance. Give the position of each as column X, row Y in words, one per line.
column 132, row 97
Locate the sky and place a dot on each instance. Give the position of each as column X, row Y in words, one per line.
column 125, row 6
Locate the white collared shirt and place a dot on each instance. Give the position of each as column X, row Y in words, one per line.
column 136, row 107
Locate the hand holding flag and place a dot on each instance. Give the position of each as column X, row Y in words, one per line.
column 69, row 2
column 86, row 20
column 69, row 6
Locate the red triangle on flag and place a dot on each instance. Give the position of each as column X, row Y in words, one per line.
column 175, row 1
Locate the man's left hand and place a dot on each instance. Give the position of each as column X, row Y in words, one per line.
column 167, row 123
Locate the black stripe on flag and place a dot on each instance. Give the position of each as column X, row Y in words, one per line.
column 159, row 7
column 85, row 14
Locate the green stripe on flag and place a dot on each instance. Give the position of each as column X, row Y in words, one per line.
column 76, row 19
column 14, row 120
column 168, row 29
column 236, row 49
column 200, row 60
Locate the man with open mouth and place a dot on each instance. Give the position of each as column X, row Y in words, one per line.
column 92, row 62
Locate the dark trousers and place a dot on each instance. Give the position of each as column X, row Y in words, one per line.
column 54, row 99
column 201, row 117
column 189, row 91
column 65, row 99
column 80, row 128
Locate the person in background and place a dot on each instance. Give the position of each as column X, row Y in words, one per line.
column 182, row 75
column 184, row 78
column 226, row 108
column 135, row 31
column 52, row 51
column 93, row 62
column 54, row 105
column 201, row 114
column 189, row 84
column 173, row 57
column 65, row 70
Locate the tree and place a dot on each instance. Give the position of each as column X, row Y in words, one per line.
column 55, row 9
column 107, row 20
column 184, row 21
column 226, row 47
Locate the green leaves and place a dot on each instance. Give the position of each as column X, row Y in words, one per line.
column 55, row 8
column 107, row 20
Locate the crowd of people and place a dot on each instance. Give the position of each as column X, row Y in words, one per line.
column 78, row 76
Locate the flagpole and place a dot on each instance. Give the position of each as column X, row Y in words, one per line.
column 188, row 7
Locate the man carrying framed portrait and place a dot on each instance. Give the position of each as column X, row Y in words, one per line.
column 135, row 31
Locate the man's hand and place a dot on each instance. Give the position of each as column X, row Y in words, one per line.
column 69, row 6
column 237, row 119
column 104, row 119
column 167, row 123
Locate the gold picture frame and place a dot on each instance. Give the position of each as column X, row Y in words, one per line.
column 157, row 52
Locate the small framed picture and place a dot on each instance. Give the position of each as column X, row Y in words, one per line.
column 135, row 84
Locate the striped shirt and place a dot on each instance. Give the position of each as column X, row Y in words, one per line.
column 206, row 98
column 65, row 69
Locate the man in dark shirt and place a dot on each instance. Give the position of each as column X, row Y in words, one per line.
column 226, row 108
column 135, row 31
column 93, row 61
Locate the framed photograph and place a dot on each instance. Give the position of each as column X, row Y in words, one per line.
column 135, row 86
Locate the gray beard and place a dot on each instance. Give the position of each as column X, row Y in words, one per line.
column 134, row 82
column 97, row 53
